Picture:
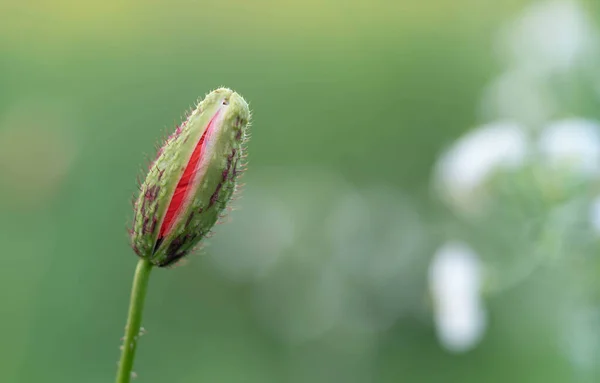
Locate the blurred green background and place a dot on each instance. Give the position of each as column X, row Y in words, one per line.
column 322, row 273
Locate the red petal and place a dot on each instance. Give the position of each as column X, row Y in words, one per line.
column 185, row 182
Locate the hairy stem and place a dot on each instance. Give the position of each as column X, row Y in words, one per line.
column 134, row 319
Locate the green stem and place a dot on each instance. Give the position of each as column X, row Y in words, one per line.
column 134, row 319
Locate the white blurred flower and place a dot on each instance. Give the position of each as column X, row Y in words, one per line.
column 573, row 144
column 519, row 96
column 549, row 36
column 475, row 156
column 455, row 283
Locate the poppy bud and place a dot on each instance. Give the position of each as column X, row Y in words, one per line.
column 192, row 179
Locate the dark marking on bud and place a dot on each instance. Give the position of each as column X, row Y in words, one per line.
column 172, row 259
column 154, row 193
column 189, row 219
column 143, row 209
column 214, row 198
column 153, row 227
column 215, row 195
column 135, row 249
column 174, row 246
column 174, row 251
column 145, row 225
column 149, row 193
column 235, row 169
column 157, row 245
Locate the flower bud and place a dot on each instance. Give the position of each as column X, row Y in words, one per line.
column 192, row 179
